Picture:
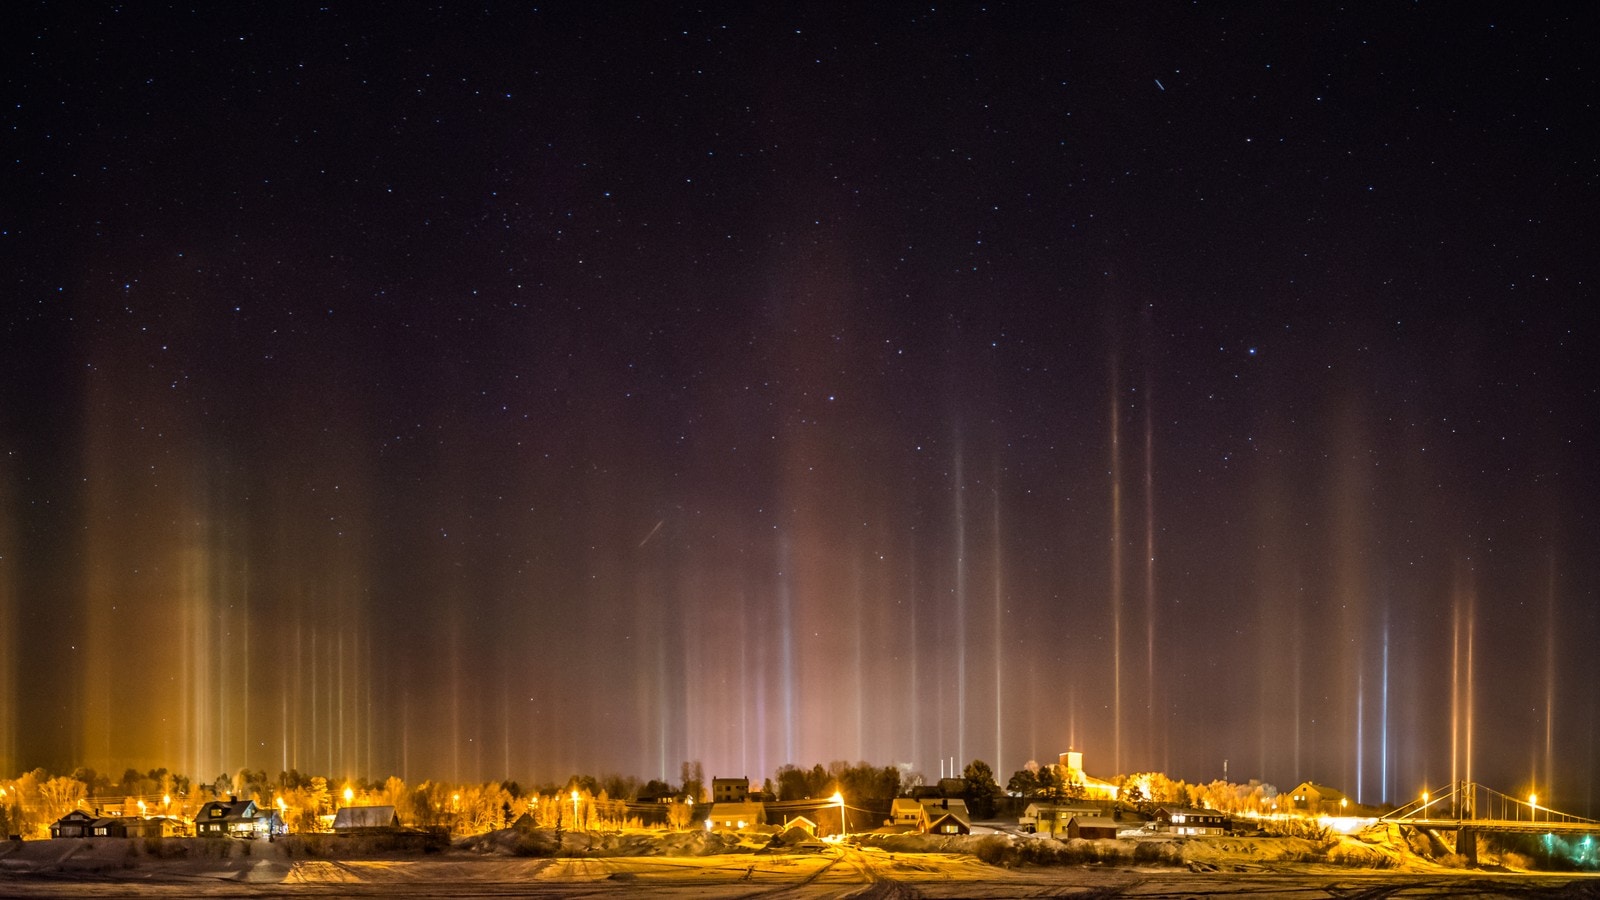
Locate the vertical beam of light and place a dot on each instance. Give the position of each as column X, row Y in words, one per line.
column 912, row 684
column 1298, row 641
column 1472, row 615
column 8, row 628
column 1150, row 576
column 1455, row 684
column 1361, row 721
column 999, row 617
column 663, row 710
column 1385, row 789
column 786, row 648
column 195, row 712
column 1116, row 568
column 239, row 755
column 961, row 603
column 341, row 699
column 505, row 726
column 857, row 662
column 744, row 696
column 1548, row 775
column 455, row 699
column 311, row 745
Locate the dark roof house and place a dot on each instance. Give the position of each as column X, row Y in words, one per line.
column 365, row 818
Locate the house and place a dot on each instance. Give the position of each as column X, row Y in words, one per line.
column 155, row 826
column 1318, row 799
column 1082, row 784
column 1189, row 820
column 226, row 818
column 802, row 823
column 237, row 818
column 904, row 811
column 947, row 816
column 1052, row 818
column 730, row 790
column 356, row 819
column 128, row 827
column 948, row 821
column 734, row 816
column 75, row 824
column 1091, row 828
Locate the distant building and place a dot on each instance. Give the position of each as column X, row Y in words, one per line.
column 947, row 816
column 1091, row 828
column 904, row 811
column 239, row 819
column 75, row 824
column 1189, row 820
column 1318, row 799
column 947, row 821
column 734, row 816
column 1052, row 818
column 802, row 823
column 730, row 790
column 356, row 819
column 1080, row 782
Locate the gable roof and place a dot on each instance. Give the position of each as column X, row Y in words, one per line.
column 226, row 811
column 936, row 817
column 1321, row 790
column 365, row 817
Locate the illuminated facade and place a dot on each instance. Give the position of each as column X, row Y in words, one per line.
column 1080, row 782
column 1318, row 799
column 1189, row 820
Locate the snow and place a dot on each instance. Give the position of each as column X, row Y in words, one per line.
column 714, row 865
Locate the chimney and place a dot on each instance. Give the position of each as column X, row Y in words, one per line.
column 944, row 802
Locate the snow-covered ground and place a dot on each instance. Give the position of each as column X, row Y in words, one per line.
column 715, row 867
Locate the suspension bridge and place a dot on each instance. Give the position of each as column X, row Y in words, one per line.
column 1468, row 808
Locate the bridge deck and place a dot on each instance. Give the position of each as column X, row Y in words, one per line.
column 1506, row 826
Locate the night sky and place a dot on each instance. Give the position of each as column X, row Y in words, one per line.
column 515, row 391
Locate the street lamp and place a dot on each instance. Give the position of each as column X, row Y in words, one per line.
column 1533, row 804
column 574, row 807
column 348, row 796
column 844, row 828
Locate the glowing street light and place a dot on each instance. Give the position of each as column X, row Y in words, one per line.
column 349, row 795
column 1533, row 804
column 838, row 798
column 141, row 809
column 574, row 807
